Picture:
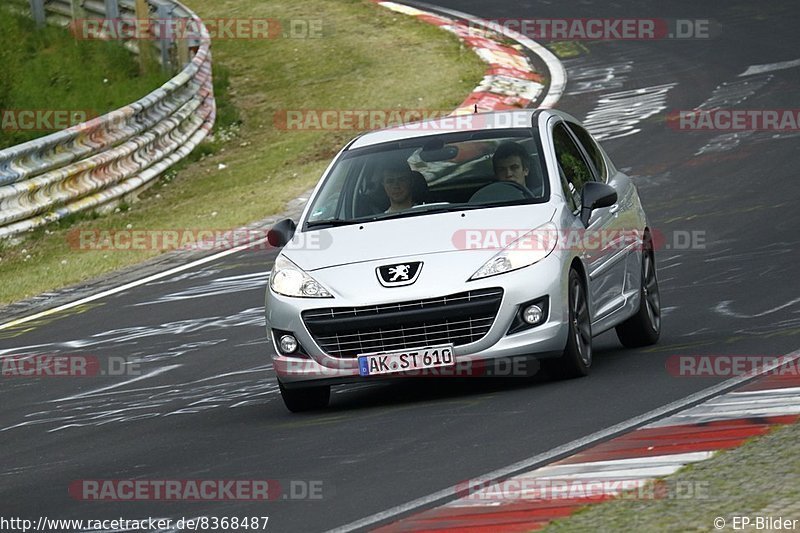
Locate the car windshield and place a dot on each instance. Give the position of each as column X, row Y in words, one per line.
column 446, row 172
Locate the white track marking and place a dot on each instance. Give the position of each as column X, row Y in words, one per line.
column 618, row 114
column 126, row 286
column 770, row 67
column 620, row 464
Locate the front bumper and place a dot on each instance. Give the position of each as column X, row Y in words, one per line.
column 497, row 347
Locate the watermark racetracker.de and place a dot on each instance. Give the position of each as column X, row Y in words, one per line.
column 43, row 119
column 207, row 239
column 67, row 366
column 553, row 488
column 598, row 29
column 692, row 120
column 188, row 490
column 200, row 239
column 700, row 366
column 216, row 29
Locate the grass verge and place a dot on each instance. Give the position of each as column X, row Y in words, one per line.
column 367, row 58
column 760, row 478
column 48, row 69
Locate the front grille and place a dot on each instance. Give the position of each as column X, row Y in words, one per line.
column 459, row 319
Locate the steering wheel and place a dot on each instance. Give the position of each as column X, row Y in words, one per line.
column 501, row 191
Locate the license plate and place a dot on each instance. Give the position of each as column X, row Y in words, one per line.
column 405, row 360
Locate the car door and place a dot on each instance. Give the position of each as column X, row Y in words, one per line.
column 602, row 250
column 627, row 209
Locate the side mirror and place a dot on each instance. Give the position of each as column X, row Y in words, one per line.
column 594, row 196
column 281, row 233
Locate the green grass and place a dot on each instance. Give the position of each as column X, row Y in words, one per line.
column 49, row 69
column 369, row 58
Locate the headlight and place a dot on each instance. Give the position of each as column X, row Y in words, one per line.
column 291, row 280
column 525, row 251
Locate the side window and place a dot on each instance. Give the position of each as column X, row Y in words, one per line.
column 328, row 203
column 570, row 162
column 569, row 191
column 591, row 148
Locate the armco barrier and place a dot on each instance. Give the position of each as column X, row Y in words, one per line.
column 111, row 156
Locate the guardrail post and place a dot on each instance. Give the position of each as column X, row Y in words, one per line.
column 144, row 29
column 112, row 9
column 183, row 48
column 37, row 10
column 166, row 36
column 76, row 8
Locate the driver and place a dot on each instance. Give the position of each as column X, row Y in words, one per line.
column 397, row 180
column 510, row 162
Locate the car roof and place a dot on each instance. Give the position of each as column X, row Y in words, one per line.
column 461, row 122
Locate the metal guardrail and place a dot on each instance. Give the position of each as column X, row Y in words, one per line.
column 114, row 155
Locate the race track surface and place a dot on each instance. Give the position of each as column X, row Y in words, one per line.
column 206, row 404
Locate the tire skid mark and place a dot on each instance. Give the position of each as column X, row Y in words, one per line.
column 151, row 374
column 252, row 316
column 110, row 405
column 120, row 402
column 215, row 287
column 724, row 308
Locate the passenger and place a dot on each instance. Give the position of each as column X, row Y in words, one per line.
column 510, row 162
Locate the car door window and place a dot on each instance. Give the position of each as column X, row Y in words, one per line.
column 571, row 163
column 568, row 189
column 590, row 147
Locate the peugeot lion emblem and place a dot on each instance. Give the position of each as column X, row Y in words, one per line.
column 399, row 274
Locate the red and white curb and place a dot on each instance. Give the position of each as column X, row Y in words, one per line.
column 530, row 500
column 510, row 81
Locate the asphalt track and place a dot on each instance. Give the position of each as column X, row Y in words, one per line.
column 206, row 404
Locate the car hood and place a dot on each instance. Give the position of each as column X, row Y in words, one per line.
column 446, row 232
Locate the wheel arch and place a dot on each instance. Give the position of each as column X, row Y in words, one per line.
column 582, row 271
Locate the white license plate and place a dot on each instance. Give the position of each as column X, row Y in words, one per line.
column 405, row 360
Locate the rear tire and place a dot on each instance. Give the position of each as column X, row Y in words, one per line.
column 644, row 328
column 577, row 357
column 306, row 398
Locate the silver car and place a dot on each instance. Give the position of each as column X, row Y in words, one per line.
column 460, row 246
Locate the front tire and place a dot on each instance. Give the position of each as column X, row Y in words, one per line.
column 306, row 398
column 577, row 357
column 644, row 328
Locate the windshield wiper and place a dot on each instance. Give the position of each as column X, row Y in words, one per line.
column 447, row 208
column 435, row 208
column 330, row 223
column 412, row 212
column 438, row 207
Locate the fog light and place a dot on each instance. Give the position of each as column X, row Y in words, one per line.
column 533, row 314
column 288, row 344
column 530, row 314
